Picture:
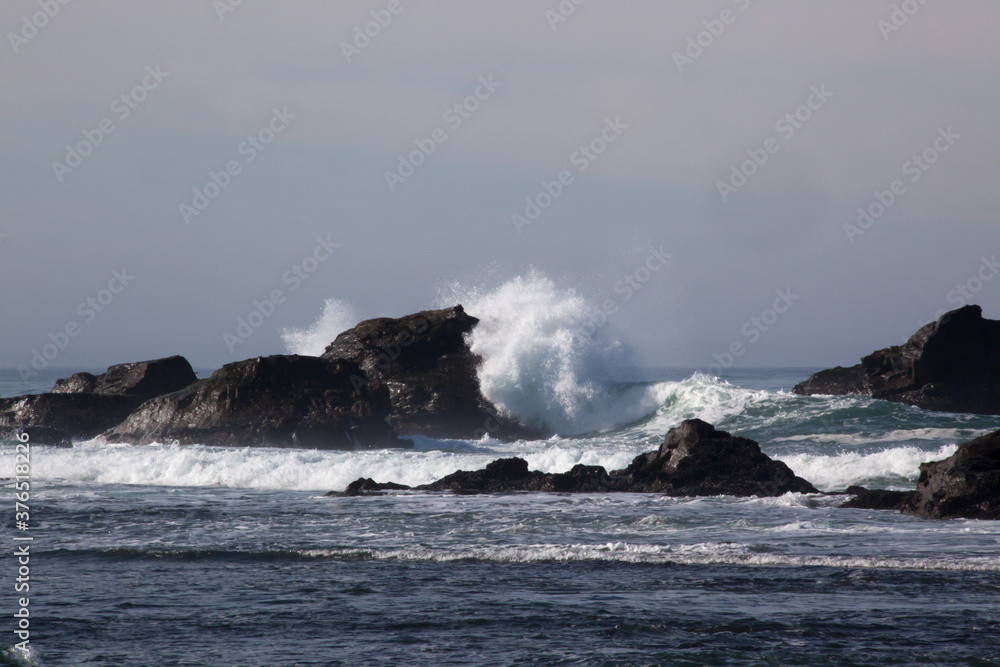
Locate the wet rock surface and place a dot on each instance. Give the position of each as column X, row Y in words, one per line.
column 426, row 364
column 695, row 459
column 277, row 401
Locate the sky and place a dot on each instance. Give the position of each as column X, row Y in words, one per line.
column 790, row 183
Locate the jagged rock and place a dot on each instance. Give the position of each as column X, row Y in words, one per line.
column 966, row 484
column 694, row 460
column 277, row 401
column 143, row 379
column 952, row 365
column 697, row 460
column 430, row 372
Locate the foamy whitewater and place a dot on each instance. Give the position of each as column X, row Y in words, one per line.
column 197, row 555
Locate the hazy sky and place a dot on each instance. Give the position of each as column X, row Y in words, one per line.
column 114, row 112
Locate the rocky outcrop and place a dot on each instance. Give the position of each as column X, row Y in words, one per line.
column 697, row 460
column 952, row 365
column 278, row 401
column 694, row 460
column 430, row 372
column 964, row 485
column 85, row 405
column 143, row 379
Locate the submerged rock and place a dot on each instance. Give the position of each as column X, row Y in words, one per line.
column 951, row 365
column 878, row 499
column 277, row 401
column 694, row 460
column 424, row 361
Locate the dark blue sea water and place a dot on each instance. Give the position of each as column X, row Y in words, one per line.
column 166, row 555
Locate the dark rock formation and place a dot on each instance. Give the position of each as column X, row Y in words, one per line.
column 879, row 499
column 966, row 484
column 694, row 460
column 697, row 460
column 143, row 379
column 85, row 405
column 278, row 401
column 38, row 435
column 71, row 415
column 950, row 365
column 430, row 372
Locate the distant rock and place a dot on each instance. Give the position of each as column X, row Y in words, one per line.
column 694, row 460
column 85, row 405
column 951, row 365
column 430, row 372
column 277, row 401
column 143, row 379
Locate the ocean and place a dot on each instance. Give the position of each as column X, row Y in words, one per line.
column 191, row 555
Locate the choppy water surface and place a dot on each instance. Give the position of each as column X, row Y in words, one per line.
column 167, row 555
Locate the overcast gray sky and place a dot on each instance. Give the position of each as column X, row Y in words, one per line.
column 676, row 94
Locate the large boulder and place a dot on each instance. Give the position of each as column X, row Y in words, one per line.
column 277, row 401
column 697, row 460
column 85, row 405
column 952, row 365
column 694, row 460
column 430, row 372
column 143, row 379
column 966, row 484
